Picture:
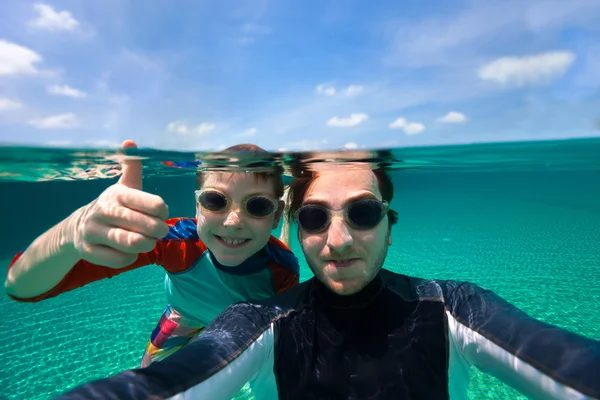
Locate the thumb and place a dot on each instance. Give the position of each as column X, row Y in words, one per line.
column 132, row 169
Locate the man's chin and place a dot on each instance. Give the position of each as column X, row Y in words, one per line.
column 346, row 287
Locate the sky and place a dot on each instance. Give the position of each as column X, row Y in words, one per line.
column 297, row 75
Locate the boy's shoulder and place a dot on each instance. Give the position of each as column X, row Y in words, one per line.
column 182, row 247
column 281, row 254
column 182, row 228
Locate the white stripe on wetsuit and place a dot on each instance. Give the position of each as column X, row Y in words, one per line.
column 255, row 364
column 475, row 349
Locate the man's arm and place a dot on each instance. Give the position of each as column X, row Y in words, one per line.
column 539, row 360
column 234, row 349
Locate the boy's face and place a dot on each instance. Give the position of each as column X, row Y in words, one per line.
column 222, row 232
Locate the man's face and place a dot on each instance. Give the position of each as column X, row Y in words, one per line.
column 345, row 259
column 234, row 236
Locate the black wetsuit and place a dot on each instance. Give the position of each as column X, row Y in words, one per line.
column 399, row 338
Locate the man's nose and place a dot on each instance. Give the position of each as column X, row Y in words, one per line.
column 338, row 235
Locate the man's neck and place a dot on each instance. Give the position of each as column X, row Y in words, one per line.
column 360, row 299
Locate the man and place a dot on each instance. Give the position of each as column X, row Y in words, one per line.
column 357, row 331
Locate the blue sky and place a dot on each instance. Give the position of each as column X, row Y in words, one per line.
column 297, row 75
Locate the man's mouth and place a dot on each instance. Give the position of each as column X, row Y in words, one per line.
column 231, row 242
column 342, row 263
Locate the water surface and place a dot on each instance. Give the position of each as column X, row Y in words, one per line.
column 522, row 219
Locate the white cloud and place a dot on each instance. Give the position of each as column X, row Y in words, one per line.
column 15, row 59
column 456, row 38
column 177, row 127
column 352, row 120
column 354, row 90
column 61, row 121
column 65, row 90
column 398, row 123
column 50, row 19
column 325, row 90
column 248, row 133
column 414, row 128
column 520, row 71
column 409, row 128
column 453, row 117
column 8, row 104
column 204, row 129
column 350, row 145
column 182, row 128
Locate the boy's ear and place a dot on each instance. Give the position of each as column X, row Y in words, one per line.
column 197, row 210
column 278, row 213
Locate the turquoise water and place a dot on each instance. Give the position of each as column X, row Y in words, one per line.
column 522, row 219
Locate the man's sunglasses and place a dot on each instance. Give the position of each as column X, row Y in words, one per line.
column 361, row 214
column 255, row 206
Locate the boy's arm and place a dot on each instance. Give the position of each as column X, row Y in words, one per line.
column 175, row 253
column 80, row 275
column 109, row 232
column 45, row 262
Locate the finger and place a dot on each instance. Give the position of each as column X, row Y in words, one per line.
column 119, row 239
column 132, row 169
column 143, row 202
column 135, row 221
column 106, row 256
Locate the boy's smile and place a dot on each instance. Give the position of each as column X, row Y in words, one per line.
column 233, row 236
column 232, row 242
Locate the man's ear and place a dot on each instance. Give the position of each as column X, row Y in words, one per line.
column 278, row 213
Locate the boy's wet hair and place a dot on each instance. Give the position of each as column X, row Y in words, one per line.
column 274, row 174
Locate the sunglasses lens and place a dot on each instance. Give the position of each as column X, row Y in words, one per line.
column 213, row 201
column 365, row 214
column 312, row 218
column 259, row 207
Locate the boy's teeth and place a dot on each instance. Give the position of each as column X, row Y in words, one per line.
column 232, row 241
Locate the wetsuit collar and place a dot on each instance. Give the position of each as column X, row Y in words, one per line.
column 357, row 300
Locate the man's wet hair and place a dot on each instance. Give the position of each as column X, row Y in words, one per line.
column 304, row 177
column 274, row 172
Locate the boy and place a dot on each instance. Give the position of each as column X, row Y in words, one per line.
column 225, row 255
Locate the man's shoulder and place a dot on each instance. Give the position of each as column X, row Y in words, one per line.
column 417, row 288
column 272, row 308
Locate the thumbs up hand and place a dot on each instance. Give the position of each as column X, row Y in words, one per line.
column 122, row 222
